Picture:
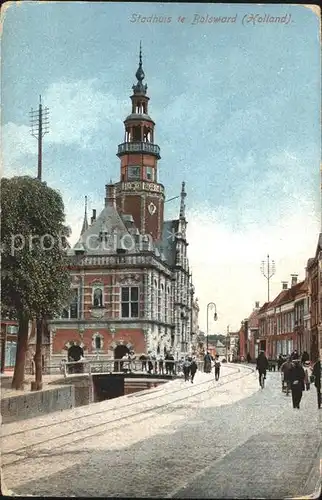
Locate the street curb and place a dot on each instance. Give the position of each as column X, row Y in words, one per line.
column 317, row 488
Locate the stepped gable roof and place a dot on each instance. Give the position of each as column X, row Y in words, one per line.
column 168, row 241
column 117, row 235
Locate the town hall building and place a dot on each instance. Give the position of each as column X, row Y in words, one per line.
column 131, row 281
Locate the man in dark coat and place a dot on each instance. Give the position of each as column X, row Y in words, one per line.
column 186, row 369
column 207, row 363
column 316, row 372
column 296, row 378
column 285, row 371
column 261, row 365
column 193, row 369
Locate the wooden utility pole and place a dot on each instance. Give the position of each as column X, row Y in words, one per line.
column 39, row 121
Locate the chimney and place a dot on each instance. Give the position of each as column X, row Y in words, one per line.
column 256, row 305
column 110, row 199
column 284, row 285
column 294, row 279
column 93, row 218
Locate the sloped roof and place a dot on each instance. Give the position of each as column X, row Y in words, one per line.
column 219, row 344
column 263, row 308
column 281, row 298
column 290, row 294
column 109, row 222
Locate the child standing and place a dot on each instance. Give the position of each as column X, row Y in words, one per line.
column 217, row 367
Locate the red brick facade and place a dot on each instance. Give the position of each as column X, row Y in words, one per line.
column 139, row 296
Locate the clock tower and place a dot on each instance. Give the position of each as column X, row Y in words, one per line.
column 138, row 193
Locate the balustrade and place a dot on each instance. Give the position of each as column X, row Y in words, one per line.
column 134, row 147
column 90, row 367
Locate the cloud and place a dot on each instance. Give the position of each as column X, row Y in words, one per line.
column 79, row 114
column 78, row 110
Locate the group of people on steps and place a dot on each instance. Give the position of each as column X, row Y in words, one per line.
column 297, row 375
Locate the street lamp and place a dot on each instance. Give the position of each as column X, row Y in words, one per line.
column 211, row 305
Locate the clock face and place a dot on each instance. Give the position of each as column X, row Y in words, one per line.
column 152, row 208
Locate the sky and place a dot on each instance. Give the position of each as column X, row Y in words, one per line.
column 237, row 112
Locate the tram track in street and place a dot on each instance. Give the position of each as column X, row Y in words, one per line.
column 117, row 406
column 103, row 427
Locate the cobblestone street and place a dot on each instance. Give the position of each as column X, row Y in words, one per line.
column 223, row 439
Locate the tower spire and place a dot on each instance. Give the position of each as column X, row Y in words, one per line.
column 85, row 221
column 139, row 88
column 182, row 203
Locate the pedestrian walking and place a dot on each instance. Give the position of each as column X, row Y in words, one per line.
column 297, row 376
column 186, row 369
column 166, row 364
column 207, row 363
column 161, row 371
column 285, row 374
column 150, row 364
column 171, row 364
column 261, row 366
column 217, row 367
column 143, row 359
column 317, row 376
column 249, row 358
column 280, row 361
column 193, row 368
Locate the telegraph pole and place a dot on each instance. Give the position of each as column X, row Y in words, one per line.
column 39, row 122
column 268, row 271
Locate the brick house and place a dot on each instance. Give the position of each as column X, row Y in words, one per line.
column 131, row 280
column 314, row 278
column 281, row 322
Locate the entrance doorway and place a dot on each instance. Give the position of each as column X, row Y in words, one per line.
column 119, row 352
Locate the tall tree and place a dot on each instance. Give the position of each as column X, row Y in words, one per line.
column 35, row 280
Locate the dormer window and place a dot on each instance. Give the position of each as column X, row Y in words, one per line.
column 133, row 172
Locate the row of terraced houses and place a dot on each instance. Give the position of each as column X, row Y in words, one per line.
column 292, row 320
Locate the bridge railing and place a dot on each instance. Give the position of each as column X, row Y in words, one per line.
column 90, row 367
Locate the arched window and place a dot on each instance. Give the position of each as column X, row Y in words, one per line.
column 98, row 342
